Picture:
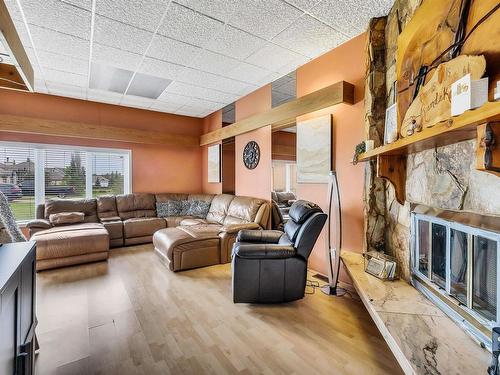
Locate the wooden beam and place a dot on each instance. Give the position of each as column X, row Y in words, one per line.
column 10, row 39
column 340, row 92
column 11, row 79
column 30, row 125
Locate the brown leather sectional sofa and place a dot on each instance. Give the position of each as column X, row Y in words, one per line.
column 114, row 221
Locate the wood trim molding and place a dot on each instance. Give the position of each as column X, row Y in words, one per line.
column 11, row 40
column 30, row 125
column 340, row 92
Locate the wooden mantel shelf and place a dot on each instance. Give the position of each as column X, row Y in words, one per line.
column 455, row 130
column 423, row 339
column 286, row 114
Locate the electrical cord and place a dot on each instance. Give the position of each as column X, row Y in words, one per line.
column 438, row 59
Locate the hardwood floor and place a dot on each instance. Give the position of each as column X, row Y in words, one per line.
column 133, row 316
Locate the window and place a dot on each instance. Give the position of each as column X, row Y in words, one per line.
column 460, row 262
column 30, row 174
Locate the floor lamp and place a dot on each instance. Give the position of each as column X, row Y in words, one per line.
column 333, row 249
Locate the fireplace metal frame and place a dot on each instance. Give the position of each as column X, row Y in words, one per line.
column 474, row 323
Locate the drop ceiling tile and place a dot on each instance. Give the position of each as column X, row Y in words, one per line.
column 212, row 62
column 204, row 104
column 251, row 74
column 136, row 101
column 58, row 16
column 84, row 4
column 57, row 76
column 40, row 86
column 173, row 99
column 171, row 50
column 104, row 96
column 164, row 107
column 235, row 43
column 144, row 14
column 61, row 89
column 116, row 57
column 263, row 18
column 340, row 15
column 189, row 26
column 63, row 63
column 212, row 81
column 304, row 4
column 161, row 68
column 188, row 90
column 218, row 9
column 56, row 42
column 192, row 111
column 119, row 35
column 274, row 57
column 309, row 37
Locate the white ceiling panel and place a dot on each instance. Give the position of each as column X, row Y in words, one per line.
column 189, row 90
column 58, row 16
column 212, row 62
column 63, row 63
column 53, row 41
column 104, row 96
column 116, row 57
column 143, row 14
column 272, row 16
column 171, row 50
column 70, row 91
column 67, row 78
column 184, row 24
column 210, row 52
column 274, row 57
column 309, row 37
column 340, row 16
column 218, row 9
column 122, row 36
column 161, row 68
column 235, row 43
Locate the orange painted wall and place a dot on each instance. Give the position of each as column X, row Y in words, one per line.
column 155, row 168
column 210, row 123
column 255, row 182
column 346, row 62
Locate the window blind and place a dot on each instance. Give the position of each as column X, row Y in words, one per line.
column 17, row 179
column 108, row 171
column 64, row 173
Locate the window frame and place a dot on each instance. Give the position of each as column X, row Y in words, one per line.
column 39, row 162
column 471, row 232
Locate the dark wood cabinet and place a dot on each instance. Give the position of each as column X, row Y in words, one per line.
column 17, row 308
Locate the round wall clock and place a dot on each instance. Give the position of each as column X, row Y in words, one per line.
column 251, row 155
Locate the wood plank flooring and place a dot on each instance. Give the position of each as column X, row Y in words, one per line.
column 131, row 315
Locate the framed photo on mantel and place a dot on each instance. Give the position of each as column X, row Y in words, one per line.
column 391, row 124
column 214, row 175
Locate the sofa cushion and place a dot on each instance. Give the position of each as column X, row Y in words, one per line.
column 285, row 196
column 163, row 197
column 218, row 208
column 243, row 210
column 173, row 208
column 114, row 228
column 106, row 207
column 87, row 206
column 201, row 197
column 136, row 205
column 142, row 226
column 64, row 218
column 71, row 240
column 202, row 230
column 174, row 221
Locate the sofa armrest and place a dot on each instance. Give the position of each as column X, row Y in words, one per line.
column 263, row 251
column 259, row 236
column 235, row 228
column 39, row 224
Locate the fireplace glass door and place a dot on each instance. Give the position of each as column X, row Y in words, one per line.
column 484, row 295
column 458, row 263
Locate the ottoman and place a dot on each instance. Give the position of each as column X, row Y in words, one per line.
column 180, row 249
column 71, row 244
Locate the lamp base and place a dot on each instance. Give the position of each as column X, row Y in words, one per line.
column 330, row 290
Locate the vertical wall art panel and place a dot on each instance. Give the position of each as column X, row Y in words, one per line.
column 314, row 149
column 214, row 164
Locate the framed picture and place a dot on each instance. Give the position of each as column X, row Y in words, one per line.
column 314, row 150
column 391, row 124
column 214, row 175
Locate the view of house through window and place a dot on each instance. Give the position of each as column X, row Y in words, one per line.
column 31, row 174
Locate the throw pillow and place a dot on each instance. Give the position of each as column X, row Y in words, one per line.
column 199, row 209
column 64, row 218
column 168, row 208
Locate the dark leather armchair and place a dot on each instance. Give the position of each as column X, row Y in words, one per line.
column 270, row 266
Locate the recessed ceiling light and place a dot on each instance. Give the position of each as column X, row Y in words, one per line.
column 109, row 78
column 148, row 86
